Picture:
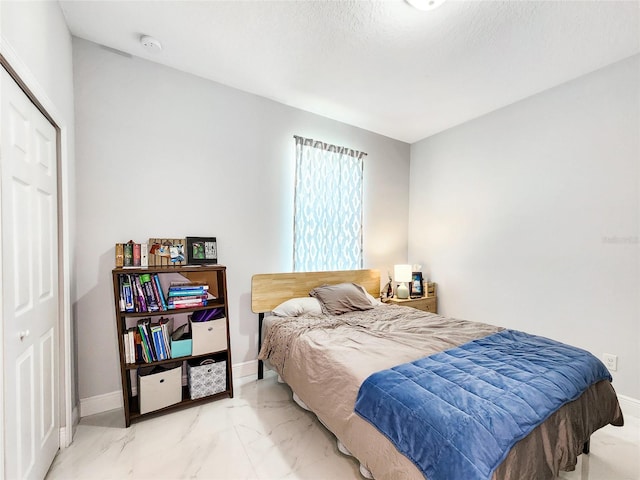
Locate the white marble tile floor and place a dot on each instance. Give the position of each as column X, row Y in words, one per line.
column 262, row 434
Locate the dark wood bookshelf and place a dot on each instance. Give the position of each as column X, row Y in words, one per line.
column 215, row 277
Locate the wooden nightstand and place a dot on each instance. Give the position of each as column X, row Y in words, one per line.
column 428, row 304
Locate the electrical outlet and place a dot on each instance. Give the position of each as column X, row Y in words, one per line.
column 610, row 361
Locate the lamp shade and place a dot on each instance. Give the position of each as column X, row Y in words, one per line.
column 402, row 273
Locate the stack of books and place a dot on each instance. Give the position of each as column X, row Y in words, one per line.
column 148, row 342
column 187, row 295
column 141, row 293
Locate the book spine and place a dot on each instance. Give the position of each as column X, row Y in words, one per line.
column 188, row 286
column 152, row 350
column 156, row 293
column 156, row 343
column 127, row 351
column 188, row 305
column 132, row 345
column 144, row 254
column 141, row 301
column 156, row 280
column 146, row 355
column 136, row 254
column 165, row 336
column 119, row 255
column 184, row 292
column 127, row 293
column 128, row 254
column 147, row 289
column 138, row 346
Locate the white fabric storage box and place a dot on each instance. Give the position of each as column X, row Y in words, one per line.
column 161, row 388
column 206, row 377
column 208, row 337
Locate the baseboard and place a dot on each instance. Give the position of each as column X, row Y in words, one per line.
column 100, row 403
column 113, row 400
column 245, row 369
column 630, row 406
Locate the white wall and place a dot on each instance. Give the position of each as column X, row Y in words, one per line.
column 528, row 217
column 36, row 42
column 164, row 153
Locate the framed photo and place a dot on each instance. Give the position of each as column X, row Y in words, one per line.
column 165, row 252
column 416, row 289
column 202, row 250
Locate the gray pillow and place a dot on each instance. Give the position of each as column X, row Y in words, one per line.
column 341, row 298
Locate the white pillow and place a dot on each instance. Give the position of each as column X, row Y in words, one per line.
column 374, row 301
column 298, row 306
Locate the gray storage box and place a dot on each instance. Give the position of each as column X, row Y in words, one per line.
column 206, row 378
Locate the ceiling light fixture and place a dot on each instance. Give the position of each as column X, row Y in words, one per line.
column 150, row 43
column 425, row 4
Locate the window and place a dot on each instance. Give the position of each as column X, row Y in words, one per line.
column 327, row 226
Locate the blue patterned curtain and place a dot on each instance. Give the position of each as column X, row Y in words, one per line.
column 327, row 231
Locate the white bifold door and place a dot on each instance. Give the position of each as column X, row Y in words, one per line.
column 30, row 297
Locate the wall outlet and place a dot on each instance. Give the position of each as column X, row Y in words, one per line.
column 610, row 361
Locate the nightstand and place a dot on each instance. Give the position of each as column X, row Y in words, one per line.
column 428, row 304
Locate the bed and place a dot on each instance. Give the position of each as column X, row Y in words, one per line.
column 325, row 359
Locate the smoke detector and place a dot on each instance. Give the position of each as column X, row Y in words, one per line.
column 150, row 43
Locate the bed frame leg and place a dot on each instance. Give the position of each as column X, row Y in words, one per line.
column 586, row 446
column 260, row 363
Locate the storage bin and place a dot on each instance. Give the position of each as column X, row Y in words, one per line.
column 206, row 377
column 209, row 337
column 159, row 386
column 181, row 348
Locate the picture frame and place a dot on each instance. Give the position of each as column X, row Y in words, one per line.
column 164, row 252
column 202, row 251
column 416, row 288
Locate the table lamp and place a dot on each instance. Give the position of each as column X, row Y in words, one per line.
column 402, row 275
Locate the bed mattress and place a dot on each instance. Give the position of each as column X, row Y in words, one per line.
column 325, row 360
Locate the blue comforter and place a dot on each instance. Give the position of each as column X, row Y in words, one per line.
column 456, row 414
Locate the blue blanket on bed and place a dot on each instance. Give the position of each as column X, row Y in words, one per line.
column 456, row 414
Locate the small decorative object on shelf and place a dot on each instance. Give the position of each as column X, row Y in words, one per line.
column 169, row 312
column 166, row 251
column 431, row 289
column 202, row 251
column 387, row 292
column 416, row 289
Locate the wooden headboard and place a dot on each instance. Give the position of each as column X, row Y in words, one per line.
column 268, row 290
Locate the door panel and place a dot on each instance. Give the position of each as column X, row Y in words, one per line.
column 45, row 241
column 47, row 388
column 21, row 251
column 25, row 400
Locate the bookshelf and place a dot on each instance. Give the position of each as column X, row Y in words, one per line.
column 132, row 370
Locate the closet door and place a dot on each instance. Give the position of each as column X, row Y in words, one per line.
column 30, row 298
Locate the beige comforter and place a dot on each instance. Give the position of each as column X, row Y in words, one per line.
column 325, row 359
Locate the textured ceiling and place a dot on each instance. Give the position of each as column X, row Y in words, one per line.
column 380, row 65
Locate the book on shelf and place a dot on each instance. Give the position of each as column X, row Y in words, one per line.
column 149, row 293
column 147, row 349
column 159, row 292
column 128, row 254
column 184, row 292
column 148, row 342
column 158, row 342
column 119, row 255
column 144, row 254
column 127, row 293
column 142, row 304
column 145, row 293
column 136, row 254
